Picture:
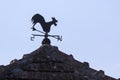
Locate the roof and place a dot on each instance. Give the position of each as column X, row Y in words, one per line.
column 48, row 62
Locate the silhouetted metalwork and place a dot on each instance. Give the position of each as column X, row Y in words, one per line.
column 37, row 18
column 46, row 26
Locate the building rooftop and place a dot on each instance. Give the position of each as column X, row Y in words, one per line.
column 49, row 63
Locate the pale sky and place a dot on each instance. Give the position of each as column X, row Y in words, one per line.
column 90, row 30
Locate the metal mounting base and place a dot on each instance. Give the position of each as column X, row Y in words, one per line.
column 46, row 41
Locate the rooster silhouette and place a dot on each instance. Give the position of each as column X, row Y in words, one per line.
column 37, row 18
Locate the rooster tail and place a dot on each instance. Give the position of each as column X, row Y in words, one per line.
column 37, row 18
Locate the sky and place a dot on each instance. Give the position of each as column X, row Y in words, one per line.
column 90, row 30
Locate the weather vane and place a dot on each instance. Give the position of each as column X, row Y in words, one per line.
column 37, row 18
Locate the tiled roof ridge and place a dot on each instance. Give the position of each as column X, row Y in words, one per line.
column 49, row 59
